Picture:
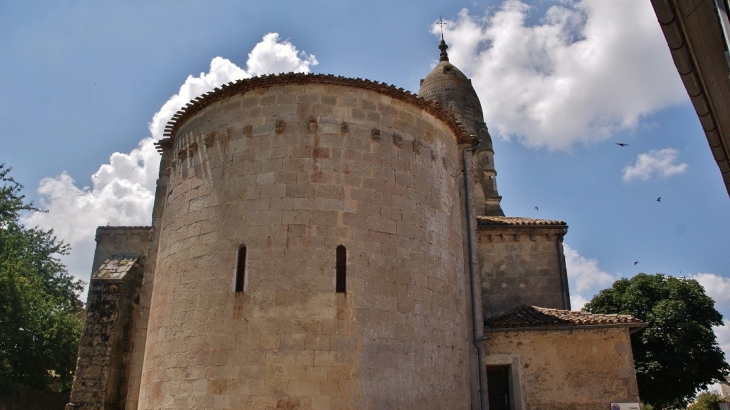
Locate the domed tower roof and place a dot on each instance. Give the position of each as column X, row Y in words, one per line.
column 447, row 85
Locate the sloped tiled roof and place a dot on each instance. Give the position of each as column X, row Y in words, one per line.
column 526, row 316
column 517, row 221
column 116, row 267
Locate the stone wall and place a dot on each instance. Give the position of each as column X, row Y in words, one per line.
column 102, row 371
column 522, row 265
column 100, row 381
column 139, row 329
column 120, row 239
column 579, row 369
column 291, row 172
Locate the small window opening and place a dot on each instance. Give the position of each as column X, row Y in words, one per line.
column 498, row 387
column 341, row 266
column 240, row 268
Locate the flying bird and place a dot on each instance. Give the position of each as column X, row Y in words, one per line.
column 537, row 209
column 621, row 144
column 636, row 263
column 659, row 199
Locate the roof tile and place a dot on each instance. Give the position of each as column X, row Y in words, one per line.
column 535, row 316
column 517, row 220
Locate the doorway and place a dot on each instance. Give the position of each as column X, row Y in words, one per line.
column 498, row 387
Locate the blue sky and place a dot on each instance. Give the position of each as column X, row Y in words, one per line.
column 560, row 83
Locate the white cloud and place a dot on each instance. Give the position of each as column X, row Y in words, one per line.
column 586, row 70
column 584, row 273
column 221, row 71
column 268, row 56
column 577, row 302
column 723, row 337
column 122, row 191
column 274, row 56
column 120, row 194
column 716, row 286
column 656, row 162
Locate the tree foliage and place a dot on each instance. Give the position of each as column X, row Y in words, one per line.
column 40, row 310
column 677, row 353
column 707, row 401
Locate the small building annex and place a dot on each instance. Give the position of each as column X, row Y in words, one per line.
column 320, row 242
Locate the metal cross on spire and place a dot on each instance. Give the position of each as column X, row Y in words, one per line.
column 443, row 56
column 441, row 23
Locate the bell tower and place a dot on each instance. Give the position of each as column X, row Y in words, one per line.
column 453, row 90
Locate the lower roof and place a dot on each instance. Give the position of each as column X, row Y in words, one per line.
column 526, row 317
column 517, row 220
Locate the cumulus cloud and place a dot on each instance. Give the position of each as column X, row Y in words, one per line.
column 577, row 302
column 723, row 337
column 584, row 273
column 656, row 162
column 120, row 194
column 122, row 191
column 270, row 56
column 221, row 71
column 586, row 70
column 716, row 286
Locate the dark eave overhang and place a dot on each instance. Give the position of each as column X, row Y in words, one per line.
column 695, row 36
column 633, row 327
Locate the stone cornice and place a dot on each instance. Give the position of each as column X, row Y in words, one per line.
column 241, row 86
column 496, row 228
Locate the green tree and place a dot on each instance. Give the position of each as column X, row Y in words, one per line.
column 40, row 310
column 707, row 401
column 677, row 353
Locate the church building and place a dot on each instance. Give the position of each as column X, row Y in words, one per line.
column 323, row 243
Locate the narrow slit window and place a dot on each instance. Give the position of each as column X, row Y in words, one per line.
column 341, row 266
column 240, row 268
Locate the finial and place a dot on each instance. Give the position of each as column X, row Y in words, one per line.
column 443, row 56
column 441, row 23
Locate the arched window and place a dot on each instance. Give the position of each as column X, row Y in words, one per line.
column 341, row 267
column 240, row 268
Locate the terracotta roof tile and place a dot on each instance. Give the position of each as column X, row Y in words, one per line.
column 517, row 220
column 526, row 316
column 264, row 81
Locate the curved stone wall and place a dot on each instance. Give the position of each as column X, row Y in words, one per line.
column 291, row 172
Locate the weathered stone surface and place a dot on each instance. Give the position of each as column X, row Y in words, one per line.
column 310, row 347
column 522, row 264
column 102, row 371
column 274, row 174
column 580, row 369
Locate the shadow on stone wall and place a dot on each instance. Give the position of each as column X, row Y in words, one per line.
column 30, row 399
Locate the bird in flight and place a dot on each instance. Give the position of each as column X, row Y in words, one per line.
column 537, row 209
column 659, row 199
column 621, row 144
column 636, row 263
